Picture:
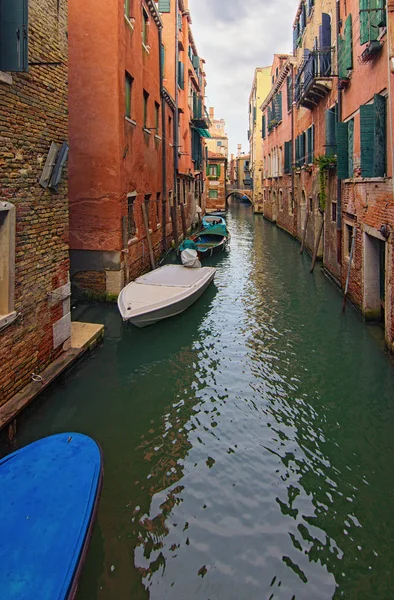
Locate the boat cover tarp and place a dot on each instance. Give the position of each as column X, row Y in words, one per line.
column 172, row 275
column 48, row 492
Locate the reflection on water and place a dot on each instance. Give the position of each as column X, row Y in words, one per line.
column 248, row 442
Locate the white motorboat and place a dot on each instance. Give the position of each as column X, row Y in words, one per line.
column 162, row 293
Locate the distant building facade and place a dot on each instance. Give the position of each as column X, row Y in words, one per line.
column 218, row 143
column 216, row 174
column 260, row 89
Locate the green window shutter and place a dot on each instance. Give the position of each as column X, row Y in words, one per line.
column 287, row 168
column 380, row 140
column 14, row 35
column 279, row 106
column 254, row 114
column 373, row 20
column 348, row 34
column 302, row 148
column 164, row 6
column 312, row 151
column 289, row 93
column 351, row 146
column 364, row 21
column 330, row 117
column 297, row 145
column 163, row 56
column 381, row 14
column 181, row 75
column 196, row 62
column 263, row 134
column 342, row 151
column 342, row 70
column 217, row 170
column 367, row 122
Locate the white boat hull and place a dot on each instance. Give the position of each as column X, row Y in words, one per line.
column 159, row 295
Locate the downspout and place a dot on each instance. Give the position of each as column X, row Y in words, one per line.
column 164, row 142
column 339, row 118
column 176, row 115
column 292, row 143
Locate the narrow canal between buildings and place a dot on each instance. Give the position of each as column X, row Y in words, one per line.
column 248, row 443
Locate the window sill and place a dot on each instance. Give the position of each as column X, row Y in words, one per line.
column 147, row 131
column 5, row 78
column 365, row 180
column 131, row 121
column 146, row 48
column 129, row 22
column 6, row 320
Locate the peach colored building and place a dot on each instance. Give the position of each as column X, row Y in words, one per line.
column 185, row 80
column 118, row 142
column 328, row 151
column 218, row 142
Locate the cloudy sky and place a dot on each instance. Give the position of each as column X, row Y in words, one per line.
column 234, row 37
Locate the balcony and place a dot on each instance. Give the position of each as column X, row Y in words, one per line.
column 314, row 78
column 200, row 118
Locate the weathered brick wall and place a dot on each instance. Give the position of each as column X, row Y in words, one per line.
column 33, row 113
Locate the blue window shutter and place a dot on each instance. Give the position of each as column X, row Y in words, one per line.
column 325, row 45
column 342, row 150
column 14, row 35
column 380, row 140
column 367, row 130
column 164, row 6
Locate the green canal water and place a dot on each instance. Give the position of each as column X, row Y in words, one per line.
column 248, row 443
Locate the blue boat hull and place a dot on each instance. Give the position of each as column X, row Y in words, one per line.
column 49, row 494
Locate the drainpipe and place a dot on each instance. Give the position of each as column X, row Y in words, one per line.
column 164, row 142
column 292, row 143
column 176, row 115
column 339, row 117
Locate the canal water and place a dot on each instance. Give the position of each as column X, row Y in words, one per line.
column 248, row 443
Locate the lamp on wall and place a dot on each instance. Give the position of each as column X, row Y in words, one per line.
column 384, row 231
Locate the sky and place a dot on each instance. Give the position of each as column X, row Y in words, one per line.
column 235, row 37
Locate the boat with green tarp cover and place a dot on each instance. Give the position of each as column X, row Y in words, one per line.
column 209, row 240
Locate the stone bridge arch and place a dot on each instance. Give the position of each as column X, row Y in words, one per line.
column 240, row 193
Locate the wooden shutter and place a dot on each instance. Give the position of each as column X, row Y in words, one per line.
column 330, row 118
column 312, row 150
column 279, row 106
column 289, row 92
column 373, row 20
column 302, row 148
column 217, row 170
column 49, row 164
column 58, row 168
column 196, row 62
column 263, row 126
column 364, row 22
column 287, row 157
column 14, row 35
column 380, row 145
column 342, row 69
column 348, row 35
column 181, row 75
column 254, row 114
column 164, row 6
column 381, row 14
column 367, row 122
column 325, row 45
column 342, row 151
column 295, row 39
column 351, row 147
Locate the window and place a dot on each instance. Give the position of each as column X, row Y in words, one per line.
column 14, row 36
column 331, row 129
column 213, row 170
column 157, row 118
column 280, row 200
column 147, row 206
column 291, row 203
column 218, row 143
column 310, row 204
column 348, row 239
column 288, row 157
column 146, row 101
column 7, row 262
column 145, row 27
column 334, row 212
column 213, row 194
column 128, row 90
column 131, row 228
column 158, row 209
column 164, row 6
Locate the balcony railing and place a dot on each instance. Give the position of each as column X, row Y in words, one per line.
column 314, row 78
column 200, row 116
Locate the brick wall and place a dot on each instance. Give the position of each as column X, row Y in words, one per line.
column 33, row 113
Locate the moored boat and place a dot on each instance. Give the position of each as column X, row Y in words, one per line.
column 49, row 498
column 162, row 293
column 209, row 220
column 207, row 241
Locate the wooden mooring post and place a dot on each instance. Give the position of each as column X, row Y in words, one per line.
column 316, row 249
column 148, row 235
column 183, row 217
column 174, row 225
column 305, row 230
column 348, row 269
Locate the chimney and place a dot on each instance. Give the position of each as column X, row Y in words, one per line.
column 211, row 113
